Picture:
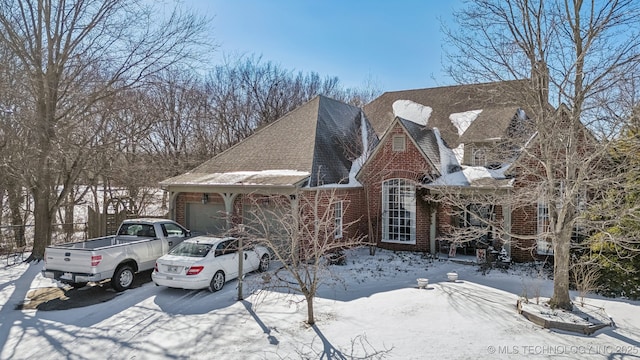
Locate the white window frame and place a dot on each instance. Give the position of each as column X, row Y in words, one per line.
column 479, row 157
column 543, row 244
column 338, row 216
column 398, row 211
column 399, row 143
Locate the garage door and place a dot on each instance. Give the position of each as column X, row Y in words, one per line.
column 206, row 218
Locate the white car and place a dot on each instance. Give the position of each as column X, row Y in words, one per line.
column 205, row 262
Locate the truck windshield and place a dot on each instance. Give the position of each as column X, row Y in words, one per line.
column 191, row 249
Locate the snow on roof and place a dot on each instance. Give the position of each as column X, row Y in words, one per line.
column 356, row 165
column 412, row 111
column 263, row 177
column 463, row 120
column 470, row 174
column 458, row 151
column 448, row 159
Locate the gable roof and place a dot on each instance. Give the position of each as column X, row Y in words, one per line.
column 426, row 141
column 307, row 144
column 498, row 101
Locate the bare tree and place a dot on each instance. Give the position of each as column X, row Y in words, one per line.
column 11, row 141
column 305, row 237
column 76, row 54
column 247, row 92
column 577, row 55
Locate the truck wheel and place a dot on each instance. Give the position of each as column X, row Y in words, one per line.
column 122, row 278
column 217, row 282
column 264, row 263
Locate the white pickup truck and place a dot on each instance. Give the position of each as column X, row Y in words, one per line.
column 135, row 248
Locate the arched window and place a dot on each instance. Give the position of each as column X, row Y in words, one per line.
column 399, row 211
column 479, row 157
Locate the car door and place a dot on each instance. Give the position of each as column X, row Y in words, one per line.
column 226, row 257
column 251, row 259
column 174, row 233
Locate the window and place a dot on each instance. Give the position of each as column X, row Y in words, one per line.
column 479, row 157
column 399, row 211
column 227, row 247
column 398, row 143
column 191, row 249
column 478, row 215
column 338, row 219
column 544, row 245
column 172, row 230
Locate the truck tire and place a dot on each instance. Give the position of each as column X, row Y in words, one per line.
column 122, row 278
column 217, row 282
column 264, row 263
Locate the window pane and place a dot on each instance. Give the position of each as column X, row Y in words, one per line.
column 399, row 211
column 338, row 219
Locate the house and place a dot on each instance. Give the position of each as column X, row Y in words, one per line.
column 387, row 164
column 309, row 149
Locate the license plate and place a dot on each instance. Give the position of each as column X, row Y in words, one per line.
column 66, row 276
column 169, row 277
column 172, row 269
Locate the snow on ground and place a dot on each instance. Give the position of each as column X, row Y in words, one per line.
column 375, row 307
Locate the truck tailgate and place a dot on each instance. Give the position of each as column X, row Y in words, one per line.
column 68, row 259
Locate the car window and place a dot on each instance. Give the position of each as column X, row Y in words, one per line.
column 146, row 231
column 172, row 230
column 191, row 249
column 227, row 247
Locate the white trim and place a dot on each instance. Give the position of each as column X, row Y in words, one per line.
column 338, row 213
column 399, row 142
column 543, row 244
column 398, row 206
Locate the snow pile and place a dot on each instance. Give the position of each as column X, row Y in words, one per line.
column 412, row 111
column 463, row 120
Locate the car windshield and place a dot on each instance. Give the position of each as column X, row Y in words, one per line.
column 191, row 249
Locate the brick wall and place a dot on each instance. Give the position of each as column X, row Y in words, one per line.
column 388, row 164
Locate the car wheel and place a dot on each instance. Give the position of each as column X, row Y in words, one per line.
column 217, row 282
column 264, row 263
column 123, row 278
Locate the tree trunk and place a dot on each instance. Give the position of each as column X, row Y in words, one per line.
column 310, row 318
column 561, row 298
column 69, row 207
column 42, row 216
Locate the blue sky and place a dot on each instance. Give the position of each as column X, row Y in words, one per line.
column 395, row 45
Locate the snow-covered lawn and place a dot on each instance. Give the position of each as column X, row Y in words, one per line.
column 376, row 308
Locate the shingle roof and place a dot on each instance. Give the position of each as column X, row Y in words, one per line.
column 311, row 140
column 425, row 140
column 499, row 102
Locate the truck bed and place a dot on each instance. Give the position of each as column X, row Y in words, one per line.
column 102, row 242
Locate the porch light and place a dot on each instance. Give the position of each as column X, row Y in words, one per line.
column 205, row 198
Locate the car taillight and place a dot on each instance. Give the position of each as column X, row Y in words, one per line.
column 95, row 260
column 155, row 267
column 195, row 270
